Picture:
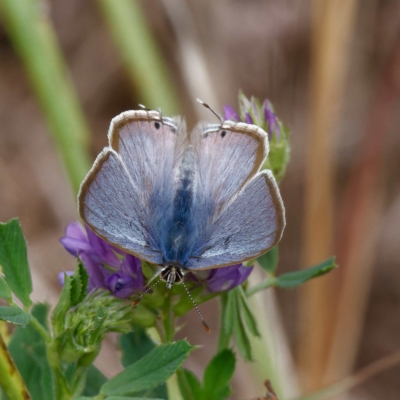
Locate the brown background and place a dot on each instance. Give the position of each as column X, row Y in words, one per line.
column 267, row 49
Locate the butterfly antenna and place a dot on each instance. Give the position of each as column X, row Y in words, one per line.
column 206, row 327
column 207, row 106
column 134, row 303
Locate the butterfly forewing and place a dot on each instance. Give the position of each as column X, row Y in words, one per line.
column 128, row 195
column 228, row 156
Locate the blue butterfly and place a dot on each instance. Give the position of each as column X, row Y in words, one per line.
column 184, row 201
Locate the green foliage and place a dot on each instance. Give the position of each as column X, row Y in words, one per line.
column 130, row 398
column 85, row 326
column 189, row 385
column 227, row 319
column 5, row 291
column 79, row 282
column 134, row 346
column 28, row 350
column 63, row 305
column 243, row 342
column 217, row 376
column 15, row 315
column 269, row 260
column 14, row 261
column 296, row 278
column 247, row 314
column 151, row 370
column 237, row 319
column 73, row 292
column 94, row 381
column 279, row 153
column 279, row 146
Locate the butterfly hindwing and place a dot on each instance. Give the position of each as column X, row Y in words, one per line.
column 251, row 224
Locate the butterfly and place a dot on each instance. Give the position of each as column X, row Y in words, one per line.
column 185, row 201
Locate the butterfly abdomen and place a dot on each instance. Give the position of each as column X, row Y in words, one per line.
column 181, row 227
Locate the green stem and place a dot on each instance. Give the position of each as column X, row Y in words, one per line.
column 61, row 385
column 10, row 379
column 173, row 388
column 40, row 329
column 140, row 54
column 168, row 321
column 34, row 39
column 271, row 282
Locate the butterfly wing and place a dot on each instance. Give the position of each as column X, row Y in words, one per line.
column 228, row 156
column 241, row 213
column 129, row 190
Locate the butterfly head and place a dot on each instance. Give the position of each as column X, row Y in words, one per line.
column 172, row 274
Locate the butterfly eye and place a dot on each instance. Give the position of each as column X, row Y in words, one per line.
column 223, row 133
column 157, row 125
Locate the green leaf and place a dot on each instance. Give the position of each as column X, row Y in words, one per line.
column 94, row 380
column 228, row 315
column 242, row 337
column 154, row 368
column 247, row 314
column 63, row 305
column 15, row 315
column 28, row 350
column 293, row 279
column 189, row 385
column 5, row 291
column 218, row 374
column 14, row 261
column 269, row 260
column 130, row 398
column 79, row 282
column 134, row 346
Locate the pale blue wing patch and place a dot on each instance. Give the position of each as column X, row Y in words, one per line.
column 251, row 224
column 128, row 195
column 111, row 205
column 228, row 156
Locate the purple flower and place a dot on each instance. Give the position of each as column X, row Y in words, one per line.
column 271, row 119
column 253, row 112
column 230, row 113
column 108, row 267
column 222, row 279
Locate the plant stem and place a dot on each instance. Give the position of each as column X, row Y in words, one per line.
column 40, row 329
column 61, row 386
column 140, row 54
column 173, row 388
column 168, row 321
column 34, row 39
column 261, row 286
column 10, row 379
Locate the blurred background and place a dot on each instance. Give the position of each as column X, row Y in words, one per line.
column 332, row 70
